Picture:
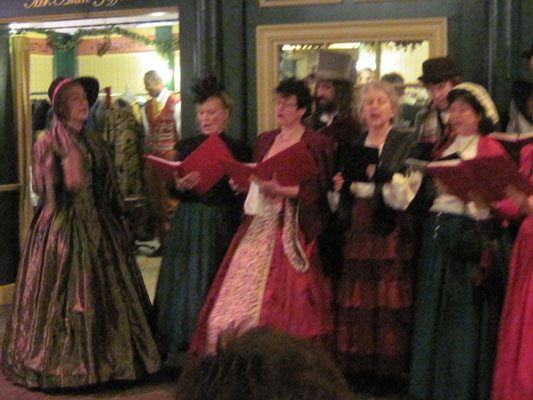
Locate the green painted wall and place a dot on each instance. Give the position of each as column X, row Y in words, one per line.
column 165, row 33
column 212, row 40
column 525, row 38
column 188, row 52
column 9, row 248
column 234, row 66
column 66, row 63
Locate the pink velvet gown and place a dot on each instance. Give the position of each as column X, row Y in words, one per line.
column 513, row 373
column 271, row 274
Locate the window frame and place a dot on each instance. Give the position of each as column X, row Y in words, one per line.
column 269, row 38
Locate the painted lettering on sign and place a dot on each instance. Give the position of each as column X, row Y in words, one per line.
column 63, row 3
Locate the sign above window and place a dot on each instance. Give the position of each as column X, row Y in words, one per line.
column 20, row 9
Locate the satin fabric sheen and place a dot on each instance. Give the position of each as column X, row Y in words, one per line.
column 80, row 312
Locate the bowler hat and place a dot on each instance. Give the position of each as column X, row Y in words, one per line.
column 528, row 54
column 438, row 69
column 90, row 85
column 333, row 65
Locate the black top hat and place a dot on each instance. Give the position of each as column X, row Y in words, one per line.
column 438, row 69
column 528, row 54
column 90, row 85
column 333, row 65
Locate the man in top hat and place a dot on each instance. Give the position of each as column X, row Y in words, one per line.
column 332, row 113
column 332, row 116
column 439, row 76
column 161, row 119
column 521, row 109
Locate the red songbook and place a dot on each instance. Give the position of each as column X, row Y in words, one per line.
column 513, row 142
column 166, row 168
column 290, row 166
column 488, row 176
column 205, row 159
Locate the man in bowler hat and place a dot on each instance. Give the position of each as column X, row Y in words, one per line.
column 439, row 76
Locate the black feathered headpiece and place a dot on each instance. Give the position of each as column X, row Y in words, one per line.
column 206, row 87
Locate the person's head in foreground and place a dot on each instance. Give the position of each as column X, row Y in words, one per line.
column 263, row 364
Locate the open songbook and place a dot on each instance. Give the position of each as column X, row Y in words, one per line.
column 487, row 176
column 290, row 167
column 205, row 159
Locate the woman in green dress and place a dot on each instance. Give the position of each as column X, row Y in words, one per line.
column 200, row 232
column 461, row 270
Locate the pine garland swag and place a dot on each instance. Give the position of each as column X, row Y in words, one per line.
column 63, row 42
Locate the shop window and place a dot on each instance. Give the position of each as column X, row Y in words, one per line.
column 398, row 46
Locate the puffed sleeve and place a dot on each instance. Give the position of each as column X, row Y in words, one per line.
column 401, row 190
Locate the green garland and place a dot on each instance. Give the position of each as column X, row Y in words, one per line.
column 62, row 41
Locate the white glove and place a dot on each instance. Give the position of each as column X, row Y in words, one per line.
column 333, row 200
column 362, row 190
column 401, row 190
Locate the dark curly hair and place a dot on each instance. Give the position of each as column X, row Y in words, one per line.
column 296, row 87
column 486, row 125
column 210, row 86
column 263, row 364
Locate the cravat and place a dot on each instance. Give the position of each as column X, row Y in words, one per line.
column 156, row 107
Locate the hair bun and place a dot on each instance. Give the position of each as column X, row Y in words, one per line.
column 206, row 87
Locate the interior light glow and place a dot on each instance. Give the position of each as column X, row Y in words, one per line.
column 344, row 46
column 288, row 47
column 154, row 24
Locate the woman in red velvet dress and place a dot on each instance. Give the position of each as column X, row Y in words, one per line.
column 513, row 372
column 271, row 274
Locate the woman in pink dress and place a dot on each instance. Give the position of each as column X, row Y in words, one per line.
column 513, row 373
column 80, row 314
column 271, row 274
